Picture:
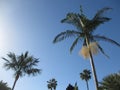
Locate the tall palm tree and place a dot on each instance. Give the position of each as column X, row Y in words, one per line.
column 86, row 75
column 110, row 82
column 85, row 29
column 21, row 65
column 4, row 86
column 52, row 84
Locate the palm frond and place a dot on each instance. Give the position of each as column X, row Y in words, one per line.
column 26, row 54
column 74, row 44
column 97, row 20
column 98, row 37
column 102, row 51
column 73, row 19
column 93, row 24
column 101, row 12
column 8, row 65
column 64, row 35
column 33, row 71
column 30, row 62
column 6, row 59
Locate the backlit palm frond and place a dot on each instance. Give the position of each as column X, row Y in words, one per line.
column 12, row 56
column 30, row 62
column 33, row 71
column 101, row 12
column 8, row 65
column 111, row 82
column 4, row 86
column 98, row 19
column 98, row 37
column 94, row 23
column 72, row 18
column 102, row 51
column 74, row 44
column 64, row 35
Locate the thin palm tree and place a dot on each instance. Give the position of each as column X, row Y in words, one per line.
column 4, row 86
column 85, row 29
column 52, row 84
column 21, row 65
column 86, row 75
column 110, row 82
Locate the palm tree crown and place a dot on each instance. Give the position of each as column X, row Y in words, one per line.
column 86, row 75
column 84, row 28
column 4, row 86
column 110, row 82
column 52, row 84
column 21, row 65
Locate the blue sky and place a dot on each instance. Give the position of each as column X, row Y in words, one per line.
column 31, row 25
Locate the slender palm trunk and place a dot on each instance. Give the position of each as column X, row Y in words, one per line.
column 87, row 85
column 92, row 65
column 16, row 78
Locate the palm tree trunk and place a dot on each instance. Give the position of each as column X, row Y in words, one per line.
column 87, row 85
column 92, row 64
column 16, row 78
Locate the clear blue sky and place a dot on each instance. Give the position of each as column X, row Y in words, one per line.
column 31, row 25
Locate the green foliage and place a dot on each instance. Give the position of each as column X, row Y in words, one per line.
column 71, row 87
column 86, row 75
column 52, row 84
column 21, row 65
column 4, row 86
column 110, row 82
column 85, row 28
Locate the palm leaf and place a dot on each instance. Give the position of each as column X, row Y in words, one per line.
column 106, row 39
column 64, row 35
column 73, row 19
column 33, row 71
column 101, row 49
column 100, row 12
column 97, row 20
column 74, row 44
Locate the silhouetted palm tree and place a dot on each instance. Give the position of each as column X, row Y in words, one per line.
column 52, row 84
column 71, row 87
column 4, row 86
column 86, row 75
column 85, row 29
column 111, row 82
column 21, row 65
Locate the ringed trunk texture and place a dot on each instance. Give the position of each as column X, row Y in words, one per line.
column 92, row 65
column 16, row 78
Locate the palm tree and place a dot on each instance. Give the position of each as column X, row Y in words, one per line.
column 4, row 86
column 111, row 82
column 86, row 75
column 21, row 65
column 71, row 87
column 85, row 32
column 52, row 84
